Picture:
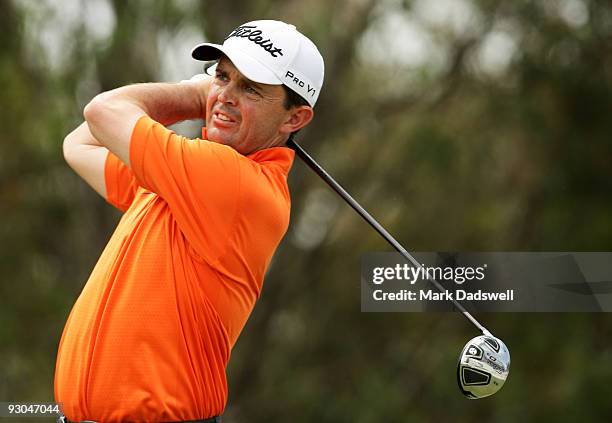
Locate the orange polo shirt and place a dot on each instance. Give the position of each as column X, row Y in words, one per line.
column 150, row 335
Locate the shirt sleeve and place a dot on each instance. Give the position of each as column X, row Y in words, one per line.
column 121, row 185
column 198, row 179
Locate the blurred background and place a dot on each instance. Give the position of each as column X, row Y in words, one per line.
column 461, row 125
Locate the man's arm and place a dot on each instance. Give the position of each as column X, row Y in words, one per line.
column 86, row 156
column 111, row 116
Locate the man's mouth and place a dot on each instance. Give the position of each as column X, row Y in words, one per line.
column 223, row 118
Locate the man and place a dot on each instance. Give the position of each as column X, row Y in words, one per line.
column 149, row 337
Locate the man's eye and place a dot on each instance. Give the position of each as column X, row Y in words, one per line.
column 252, row 90
column 221, row 77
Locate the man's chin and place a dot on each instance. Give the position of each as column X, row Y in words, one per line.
column 215, row 135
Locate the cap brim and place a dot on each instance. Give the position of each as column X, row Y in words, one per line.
column 207, row 51
column 248, row 66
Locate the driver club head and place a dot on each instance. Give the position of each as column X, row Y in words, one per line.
column 483, row 367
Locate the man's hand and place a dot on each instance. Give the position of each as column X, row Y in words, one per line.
column 111, row 116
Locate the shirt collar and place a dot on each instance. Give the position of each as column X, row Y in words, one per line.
column 281, row 156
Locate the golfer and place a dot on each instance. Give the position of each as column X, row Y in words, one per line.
column 149, row 338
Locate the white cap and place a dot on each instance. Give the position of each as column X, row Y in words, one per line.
column 271, row 52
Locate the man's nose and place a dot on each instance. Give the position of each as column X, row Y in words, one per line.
column 227, row 94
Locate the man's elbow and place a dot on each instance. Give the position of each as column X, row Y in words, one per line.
column 110, row 117
column 96, row 109
column 68, row 148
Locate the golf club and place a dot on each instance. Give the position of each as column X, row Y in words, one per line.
column 484, row 362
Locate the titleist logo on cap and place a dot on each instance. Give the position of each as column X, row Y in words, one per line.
column 251, row 33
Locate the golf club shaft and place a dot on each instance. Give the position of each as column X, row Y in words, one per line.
column 374, row 223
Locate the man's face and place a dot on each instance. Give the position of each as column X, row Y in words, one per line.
column 243, row 114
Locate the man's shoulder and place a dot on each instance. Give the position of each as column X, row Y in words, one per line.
column 264, row 181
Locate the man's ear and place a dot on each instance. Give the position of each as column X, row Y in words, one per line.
column 297, row 118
